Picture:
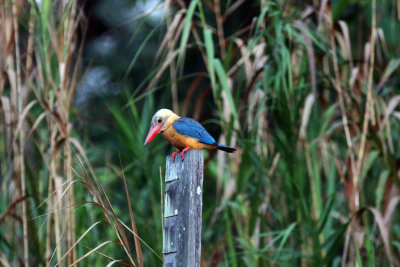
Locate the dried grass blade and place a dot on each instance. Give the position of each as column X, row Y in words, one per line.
column 346, row 246
column 384, row 231
column 77, row 241
column 220, row 28
column 322, row 12
column 57, row 189
column 346, row 35
column 390, row 210
column 393, row 103
column 36, row 123
column 11, row 208
column 140, row 239
column 91, row 252
column 59, row 241
column 4, row 261
column 171, row 56
column 369, row 104
column 112, row 263
column 172, row 31
column 389, row 70
column 186, row 29
column 122, row 262
column 119, row 231
column 306, row 115
column 398, row 10
column 188, row 98
column 138, row 248
column 22, row 116
column 6, row 107
column 232, row 8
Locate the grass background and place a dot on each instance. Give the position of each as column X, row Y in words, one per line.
column 307, row 91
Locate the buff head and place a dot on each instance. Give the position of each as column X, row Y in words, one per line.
column 160, row 121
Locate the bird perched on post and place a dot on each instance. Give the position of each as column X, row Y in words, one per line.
column 183, row 133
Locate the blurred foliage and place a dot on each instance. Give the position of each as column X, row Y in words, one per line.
column 301, row 88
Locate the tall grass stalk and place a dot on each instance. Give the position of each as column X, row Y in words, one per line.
column 40, row 151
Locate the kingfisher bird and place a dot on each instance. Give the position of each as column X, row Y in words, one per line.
column 183, row 133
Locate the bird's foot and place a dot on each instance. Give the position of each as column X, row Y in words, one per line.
column 174, row 154
column 183, row 152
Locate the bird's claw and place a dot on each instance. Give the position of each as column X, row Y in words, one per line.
column 174, row 154
column 183, row 154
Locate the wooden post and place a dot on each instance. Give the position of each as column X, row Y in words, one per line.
column 183, row 201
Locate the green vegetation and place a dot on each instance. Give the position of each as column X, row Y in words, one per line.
column 307, row 91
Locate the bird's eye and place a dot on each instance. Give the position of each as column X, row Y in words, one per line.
column 159, row 120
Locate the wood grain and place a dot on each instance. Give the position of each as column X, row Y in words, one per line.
column 183, row 201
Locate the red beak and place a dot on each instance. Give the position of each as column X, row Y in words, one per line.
column 154, row 130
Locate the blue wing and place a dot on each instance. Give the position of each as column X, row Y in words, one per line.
column 192, row 128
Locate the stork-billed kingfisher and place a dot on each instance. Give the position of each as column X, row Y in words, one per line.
column 183, row 133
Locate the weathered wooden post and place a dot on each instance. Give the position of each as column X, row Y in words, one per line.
column 183, row 201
